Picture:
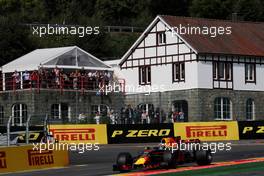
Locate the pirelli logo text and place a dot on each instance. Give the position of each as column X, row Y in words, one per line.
column 35, row 158
column 3, row 164
column 76, row 134
column 206, row 131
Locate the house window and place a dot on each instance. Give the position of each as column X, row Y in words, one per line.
column 222, row 108
column 178, row 71
column 250, row 109
column 1, row 115
column 250, row 73
column 55, row 111
column 19, row 113
column 144, row 75
column 222, row 71
column 161, row 38
column 60, row 111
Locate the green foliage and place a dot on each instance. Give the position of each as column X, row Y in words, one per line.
column 250, row 10
column 119, row 45
column 14, row 41
column 169, row 7
column 17, row 39
column 10, row 7
column 113, row 12
column 217, row 9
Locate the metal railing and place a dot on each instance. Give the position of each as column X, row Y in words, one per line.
column 27, row 131
column 62, row 83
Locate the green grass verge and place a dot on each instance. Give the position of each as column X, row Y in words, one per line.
column 222, row 170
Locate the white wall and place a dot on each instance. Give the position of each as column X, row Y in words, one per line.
column 161, row 78
column 205, row 75
column 239, row 78
column 162, row 75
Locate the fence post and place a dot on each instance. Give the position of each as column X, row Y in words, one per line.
column 14, row 85
column 8, row 130
column 82, row 84
column 38, row 84
column 4, row 81
column 27, row 129
column 61, row 84
column 45, row 124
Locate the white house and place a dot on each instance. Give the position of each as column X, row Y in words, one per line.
column 209, row 69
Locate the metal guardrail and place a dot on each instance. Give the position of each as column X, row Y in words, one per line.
column 27, row 129
column 8, row 125
column 8, row 130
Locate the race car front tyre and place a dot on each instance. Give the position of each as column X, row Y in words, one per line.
column 203, row 157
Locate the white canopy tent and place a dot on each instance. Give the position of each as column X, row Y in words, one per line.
column 71, row 57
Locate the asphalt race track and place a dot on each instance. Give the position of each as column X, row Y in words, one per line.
column 100, row 162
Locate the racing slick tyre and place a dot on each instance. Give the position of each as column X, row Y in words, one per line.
column 203, row 157
column 169, row 160
column 124, row 158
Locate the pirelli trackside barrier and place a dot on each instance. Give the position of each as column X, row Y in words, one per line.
column 251, row 129
column 22, row 158
column 142, row 133
column 207, row 131
column 33, row 137
column 84, row 133
column 20, row 129
column 138, row 133
column 36, row 133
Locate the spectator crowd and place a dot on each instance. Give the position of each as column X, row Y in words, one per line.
column 128, row 115
column 58, row 78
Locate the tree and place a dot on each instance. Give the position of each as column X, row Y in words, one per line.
column 115, row 12
column 169, row 7
column 216, row 9
column 26, row 10
column 15, row 41
column 252, row 10
column 10, row 8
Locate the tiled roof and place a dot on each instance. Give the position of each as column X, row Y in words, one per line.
column 247, row 38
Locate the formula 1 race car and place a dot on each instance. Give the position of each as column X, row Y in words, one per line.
column 165, row 156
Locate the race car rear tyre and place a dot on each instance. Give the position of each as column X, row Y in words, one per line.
column 203, row 157
column 169, row 160
column 167, row 156
column 124, row 158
